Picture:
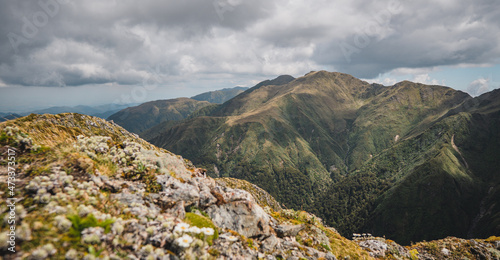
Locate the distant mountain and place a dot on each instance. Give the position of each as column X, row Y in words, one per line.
column 102, row 111
column 219, row 96
column 142, row 117
column 8, row 116
column 408, row 161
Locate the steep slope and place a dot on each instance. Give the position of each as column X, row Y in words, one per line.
column 219, row 96
column 139, row 118
column 106, row 193
column 295, row 139
column 440, row 182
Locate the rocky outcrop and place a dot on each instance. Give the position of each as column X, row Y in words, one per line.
column 111, row 197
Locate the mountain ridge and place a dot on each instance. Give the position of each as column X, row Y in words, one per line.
column 301, row 139
column 219, row 96
column 142, row 117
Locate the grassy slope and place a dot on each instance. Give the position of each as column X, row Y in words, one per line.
column 387, row 150
column 437, row 190
column 291, row 138
column 140, row 118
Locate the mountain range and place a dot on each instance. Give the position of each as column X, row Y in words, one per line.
column 8, row 116
column 166, row 113
column 219, row 96
column 102, row 111
column 409, row 161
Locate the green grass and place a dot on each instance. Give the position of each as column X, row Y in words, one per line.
column 79, row 224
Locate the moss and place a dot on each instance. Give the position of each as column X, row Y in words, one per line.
column 202, row 222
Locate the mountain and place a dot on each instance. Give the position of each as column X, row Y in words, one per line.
column 102, row 111
column 85, row 188
column 219, row 96
column 389, row 160
column 139, row 118
column 432, row 183
column 8, row 116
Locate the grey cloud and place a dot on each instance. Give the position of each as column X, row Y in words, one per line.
column 98, row 42
column 112, row 29
column 424, row 35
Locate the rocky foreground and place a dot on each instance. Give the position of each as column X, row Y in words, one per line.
column 84, row 188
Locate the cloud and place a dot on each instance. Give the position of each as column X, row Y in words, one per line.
column 479, row 86
column 76, row 43
column 426, row 79
column 420, row 34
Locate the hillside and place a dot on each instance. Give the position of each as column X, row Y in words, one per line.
column 140, row 118
column 88, row 189
column 219, row 96
column 8, row 116
column 355, row 153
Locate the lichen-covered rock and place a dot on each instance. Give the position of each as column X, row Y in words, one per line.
column 375, row 247
column 241, row 214
column 288, row 230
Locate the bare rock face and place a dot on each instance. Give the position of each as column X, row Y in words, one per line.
column 241, row 214
column 288, row 230
column 376, row 248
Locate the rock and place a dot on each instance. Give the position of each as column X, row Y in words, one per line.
column 128, row 198
column 206, row 199
column 270, row 244
column 330, row 256
column 179, row 191
column 178, row 210
column 377, row 248
column 241, row 215
column 445, row 252
column 288, row 230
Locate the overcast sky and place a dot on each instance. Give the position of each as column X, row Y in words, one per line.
column 69, row 52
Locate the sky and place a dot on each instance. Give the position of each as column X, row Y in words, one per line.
column 69, row 52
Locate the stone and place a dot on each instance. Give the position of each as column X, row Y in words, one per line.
column 178, row 210
column 206, row 199
column 243, row 216
column 181, row 192
column 288, row 230
column 270, row 244
column 377, row 248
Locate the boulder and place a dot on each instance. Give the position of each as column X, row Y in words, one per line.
column 241, row 214
column 288, row 230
